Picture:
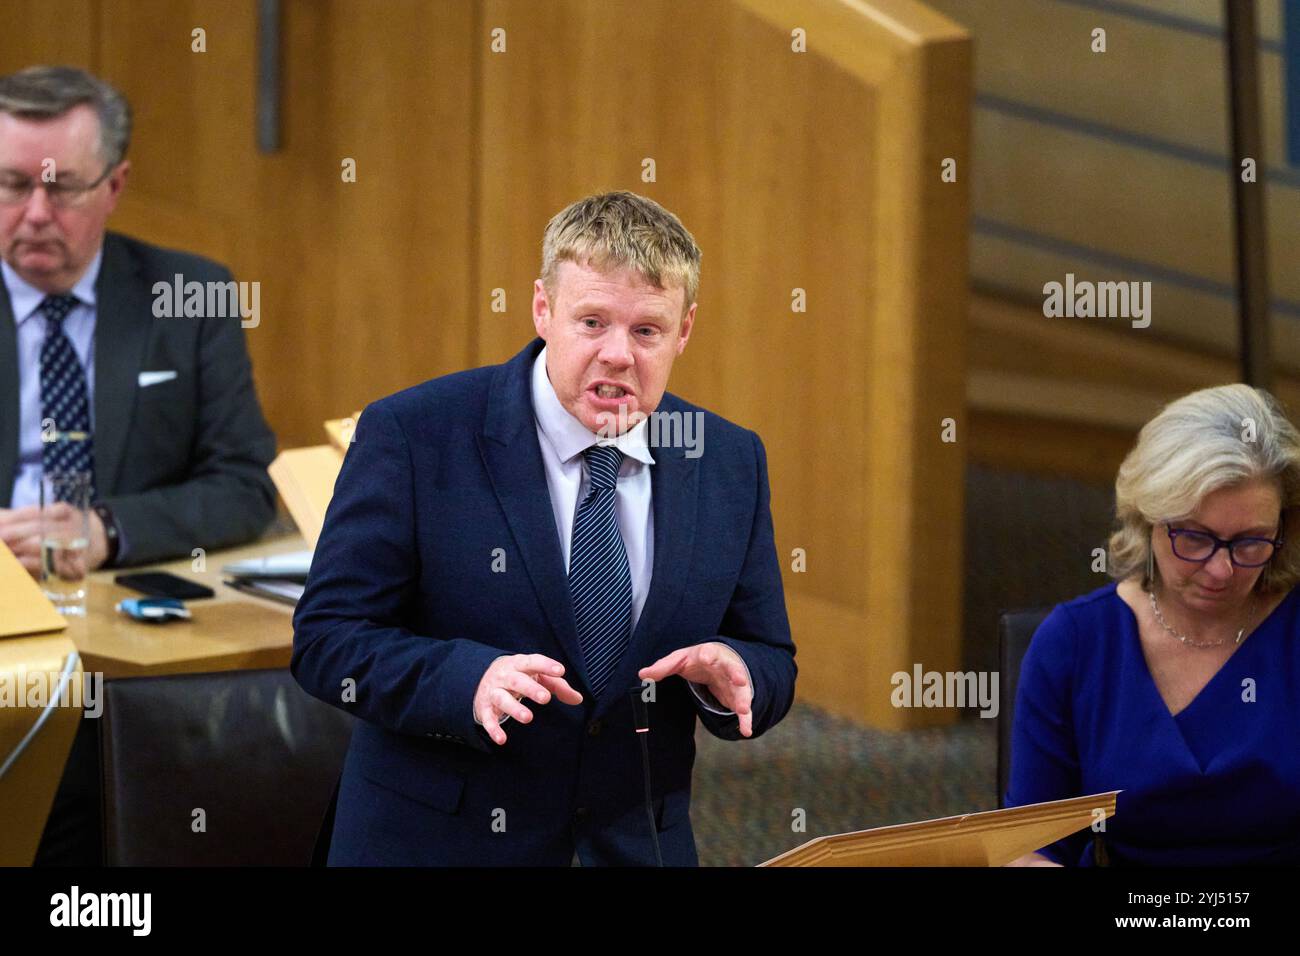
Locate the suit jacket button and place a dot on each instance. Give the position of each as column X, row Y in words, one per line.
column 594, row 728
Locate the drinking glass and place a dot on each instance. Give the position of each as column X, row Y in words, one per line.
column 65, row 539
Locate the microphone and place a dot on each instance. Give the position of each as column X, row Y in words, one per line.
column 641, row 719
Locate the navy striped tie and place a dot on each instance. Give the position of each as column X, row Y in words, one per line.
column 600, row 581
column 64, row 396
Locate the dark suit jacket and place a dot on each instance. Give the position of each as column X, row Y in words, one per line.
column 181, row 463
column 403, row 602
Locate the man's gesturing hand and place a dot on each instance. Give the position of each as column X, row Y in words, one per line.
column 717, row 666
column 512, row 677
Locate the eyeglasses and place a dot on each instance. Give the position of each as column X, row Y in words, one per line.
column 16, row 189
column 1200, row 546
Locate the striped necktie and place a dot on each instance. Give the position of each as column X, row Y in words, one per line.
column 600, row 581
column 64, row 396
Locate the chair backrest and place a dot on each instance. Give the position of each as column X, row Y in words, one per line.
column 1015, row 630
column 251, row 750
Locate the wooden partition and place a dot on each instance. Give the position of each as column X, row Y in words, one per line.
column 803, row 144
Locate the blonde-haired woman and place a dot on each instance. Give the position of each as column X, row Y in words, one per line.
column 1179, row 684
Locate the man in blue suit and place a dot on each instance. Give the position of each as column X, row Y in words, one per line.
column 524, row 532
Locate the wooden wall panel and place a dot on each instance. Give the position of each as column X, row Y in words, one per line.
column 189, row 110
column 48, row 32
column 364, row 286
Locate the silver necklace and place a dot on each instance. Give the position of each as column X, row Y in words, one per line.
column 1155, row 607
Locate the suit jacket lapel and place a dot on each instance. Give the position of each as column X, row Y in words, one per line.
column 513, row 458
column 124, row 317
column 674, row 488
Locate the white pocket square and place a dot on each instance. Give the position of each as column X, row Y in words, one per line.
column 153, row 378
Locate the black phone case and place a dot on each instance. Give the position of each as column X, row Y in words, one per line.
column 162, row 584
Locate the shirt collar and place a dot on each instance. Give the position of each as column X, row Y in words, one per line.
column 568, row 436
column 25, row 298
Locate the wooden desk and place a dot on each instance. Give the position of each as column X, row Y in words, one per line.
column 231, row 631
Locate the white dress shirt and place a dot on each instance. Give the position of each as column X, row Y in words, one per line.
column 563, row 439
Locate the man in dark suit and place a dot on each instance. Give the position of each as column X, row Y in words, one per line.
column 163, row 405
column 516, row 532
column 177, row 443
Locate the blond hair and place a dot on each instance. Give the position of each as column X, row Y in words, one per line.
column 1211, row 439
column 621, row 229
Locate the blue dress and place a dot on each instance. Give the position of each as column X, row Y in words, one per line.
column 1216, row 785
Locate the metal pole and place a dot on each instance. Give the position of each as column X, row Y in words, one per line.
column 1251, row 237
column 268, row 76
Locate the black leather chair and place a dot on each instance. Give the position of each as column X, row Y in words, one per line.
column 1015, row 630
column 250, row 749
